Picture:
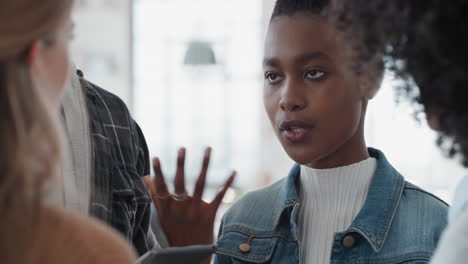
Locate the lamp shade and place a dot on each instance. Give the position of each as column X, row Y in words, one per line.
column 199, row 53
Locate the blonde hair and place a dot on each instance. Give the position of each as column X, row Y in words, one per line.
column 30, row 146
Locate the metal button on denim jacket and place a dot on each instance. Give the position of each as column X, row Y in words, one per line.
column 399, row 223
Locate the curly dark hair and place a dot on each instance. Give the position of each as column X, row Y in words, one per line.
column 425, row 43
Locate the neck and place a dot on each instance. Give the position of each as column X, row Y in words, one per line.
column 352, row 151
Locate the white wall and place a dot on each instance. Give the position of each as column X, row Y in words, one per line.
column 103, row 44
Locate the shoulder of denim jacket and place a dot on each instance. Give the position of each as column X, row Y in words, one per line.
column 423, row 194
column 260, row 209
column 420, row 215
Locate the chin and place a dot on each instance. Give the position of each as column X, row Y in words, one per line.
column 303, row 155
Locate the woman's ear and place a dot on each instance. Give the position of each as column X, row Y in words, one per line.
column 370, row 83
column 371, row 77
column 34, row 54
column 433, row 121
column 370, row 89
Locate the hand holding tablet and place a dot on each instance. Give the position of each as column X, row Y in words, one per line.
column 178, row 255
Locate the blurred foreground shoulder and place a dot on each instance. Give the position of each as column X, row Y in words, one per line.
column 63, row 237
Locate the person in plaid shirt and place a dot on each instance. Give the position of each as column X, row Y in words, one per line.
column 106, row 174
column 107, row 159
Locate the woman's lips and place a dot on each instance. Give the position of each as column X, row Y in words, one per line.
column 295, row 131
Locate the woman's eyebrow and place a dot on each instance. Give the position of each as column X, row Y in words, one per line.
column 299, row 59
column 270, row 61
column 309, row 56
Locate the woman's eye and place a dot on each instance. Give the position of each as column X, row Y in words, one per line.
column 314, row 74
column 272, row 78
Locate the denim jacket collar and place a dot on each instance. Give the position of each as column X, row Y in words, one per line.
column 374, row 220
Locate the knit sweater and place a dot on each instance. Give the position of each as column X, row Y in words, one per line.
column 330, row 200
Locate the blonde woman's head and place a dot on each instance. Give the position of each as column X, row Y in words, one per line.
column 34, row 64
column 37, row 33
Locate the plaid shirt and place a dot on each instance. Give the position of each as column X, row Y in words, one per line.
column 120, row 159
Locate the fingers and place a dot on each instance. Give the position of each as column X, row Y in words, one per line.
column 219, row 198
column 159, row 186
column 200, row 185
column 179, row 180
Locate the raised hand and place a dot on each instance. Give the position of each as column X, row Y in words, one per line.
column 186, row 220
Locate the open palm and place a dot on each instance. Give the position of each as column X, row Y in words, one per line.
column 186, row 220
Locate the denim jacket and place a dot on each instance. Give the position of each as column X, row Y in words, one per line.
column 399, row 223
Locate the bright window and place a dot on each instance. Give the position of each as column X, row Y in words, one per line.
column 193, row 99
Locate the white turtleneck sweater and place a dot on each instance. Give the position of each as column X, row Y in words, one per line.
column 330, row 200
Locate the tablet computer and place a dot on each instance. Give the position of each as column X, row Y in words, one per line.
column 175, row 255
